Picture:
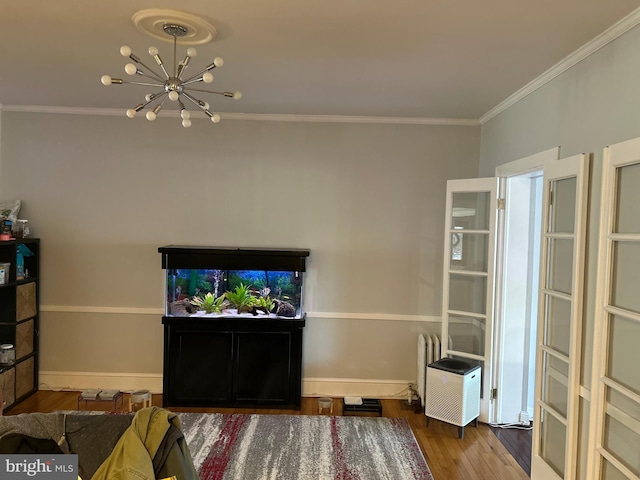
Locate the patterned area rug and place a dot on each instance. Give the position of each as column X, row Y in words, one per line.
column 291, row 447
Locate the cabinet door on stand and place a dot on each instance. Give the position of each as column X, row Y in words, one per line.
column 264, row 367
column 200, row 367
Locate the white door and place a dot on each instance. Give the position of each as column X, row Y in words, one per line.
column 468, row 280
column 614, row 440
column 554, row 448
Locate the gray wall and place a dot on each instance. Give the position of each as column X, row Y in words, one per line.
column 105, row 192
column 594, row 104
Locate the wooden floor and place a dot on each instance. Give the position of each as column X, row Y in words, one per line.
column 478, row 456
column 518, row 443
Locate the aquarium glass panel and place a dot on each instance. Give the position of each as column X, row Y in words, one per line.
column 233, row 292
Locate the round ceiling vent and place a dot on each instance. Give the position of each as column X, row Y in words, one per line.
column 152, row 21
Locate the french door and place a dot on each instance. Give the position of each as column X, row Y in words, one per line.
column 468, row 280
column 555, row 424
column 614, row 441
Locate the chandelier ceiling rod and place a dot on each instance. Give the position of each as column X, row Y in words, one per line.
column 172, row 86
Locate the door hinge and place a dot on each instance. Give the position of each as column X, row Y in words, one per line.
column 494, row 393
column 501, row 204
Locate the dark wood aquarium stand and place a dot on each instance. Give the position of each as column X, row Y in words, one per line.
column 232, row 361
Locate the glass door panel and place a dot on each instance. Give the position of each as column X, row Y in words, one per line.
column 470, row 210
column 627, row 219
column 467, row 334
column 612, row 473
column 615, row 396
column 468, row 277
column 626, row 259
column 624, row 337
column 564, row 202
column 467, row 293
column 559, row 273
column 469, row 251
column 556, row 413
column 623, row 443
column 558, row 324
column 552, row 442
column 555, row 393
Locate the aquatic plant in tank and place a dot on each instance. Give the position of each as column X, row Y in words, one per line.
column 234, row 292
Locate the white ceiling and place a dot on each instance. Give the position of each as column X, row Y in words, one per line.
column 408, row 58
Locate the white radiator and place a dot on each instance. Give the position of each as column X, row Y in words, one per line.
column 426, row 354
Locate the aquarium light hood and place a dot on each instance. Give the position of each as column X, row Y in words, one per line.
column 169, row 25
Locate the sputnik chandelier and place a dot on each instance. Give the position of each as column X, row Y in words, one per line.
column 173, row 85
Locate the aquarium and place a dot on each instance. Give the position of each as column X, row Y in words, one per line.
column 215, row 282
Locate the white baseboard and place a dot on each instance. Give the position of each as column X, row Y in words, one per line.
column 311, row 387
column 354, row 387
column 76, row 381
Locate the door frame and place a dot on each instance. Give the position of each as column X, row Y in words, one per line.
column 522, row 166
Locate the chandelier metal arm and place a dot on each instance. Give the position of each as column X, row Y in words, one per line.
column 225, row 94
column 204, row 70
column 153, row 98
column 149, row 72
column 183, row 66
column 143, row 83
column 195, row 80
column 161, row 65
column 195, row 101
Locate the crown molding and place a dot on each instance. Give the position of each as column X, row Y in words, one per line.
column 615, row 31
column 264, row 117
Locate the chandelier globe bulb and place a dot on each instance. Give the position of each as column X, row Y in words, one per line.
column 106, row 80
column 186, row 123
column 125, row 51
column 237, row 95
column 192, row 52
column 131, row 113
column 153, row 51
column 218, row 61
column 173, row 95
column 131, row 69
column 215, row 118
column 207, row 77
column 151, row 116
